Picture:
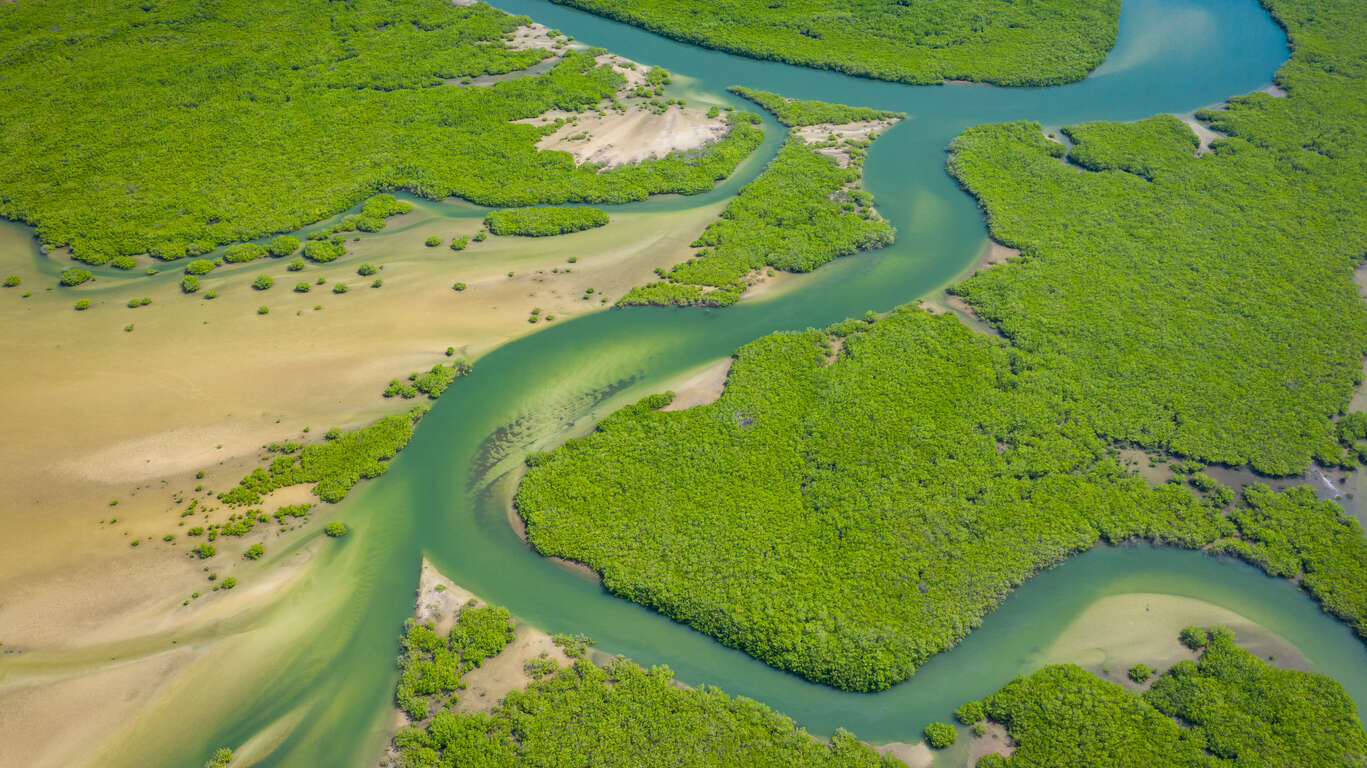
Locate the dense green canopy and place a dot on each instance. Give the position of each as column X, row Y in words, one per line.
column 1040, row 42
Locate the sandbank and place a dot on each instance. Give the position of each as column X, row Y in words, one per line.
column 860, row 130
column 621, row 138
column 701, row 388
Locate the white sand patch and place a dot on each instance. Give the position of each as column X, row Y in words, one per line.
column 916, row 755
column 703, row 387
column 861, row 130
column 1203, row 132
column 634, row 136
column 540, row 36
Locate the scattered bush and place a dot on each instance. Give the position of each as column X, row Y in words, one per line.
column 283, row 245
column 82, row 305
column 458, row 287
column 254, row 552
column 335, row 530
column 459, row 243
column 204, row 551
column 75, row 276
column 189, row 284
column 1141, row 672
column 200, row 267
column 340, row 288
column 940, row 735
column 296, row 264
column 123, row 262
column 263, row 282
column 433, row 241
column 243, row 252
column 263, row 310
column 301, row 287
column 366, row 269
column 11, row 281
column 969, row 713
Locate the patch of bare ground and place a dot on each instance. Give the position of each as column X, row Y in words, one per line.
column 916, row 755
column 632, row 136
column 822, row 133
column 702, row 388
column 995, row 740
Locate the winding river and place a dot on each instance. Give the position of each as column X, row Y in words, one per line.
column 446, row 496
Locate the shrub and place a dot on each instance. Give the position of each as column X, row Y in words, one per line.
column 263, row 282
column 263, row 310
column 134, row 303
column 229, row 582
column 204, row 551
column 1193, row 637
column 1140, row 672
column 433, row 241
column 376, row 283
column 189, row 284
column 75, row 276
column 458, row 287
column 544, row 221
column 212, row 294
column 243, row 253
column 82, row 305
column 940, row 735
column 11, row 281
column 284, row 245
column 254, row 552
column 222, row 756
column 335, row 530
column 366, row 269
column 200, row 267
column 339, row 288
column 323, row 252
column 970, row 713
column 296, row 264
column 123, row 262
column 459, row 243
column 301, row 288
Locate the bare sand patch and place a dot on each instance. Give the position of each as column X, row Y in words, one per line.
column 862, row 130
column 702, row 388
column 1203, row 132
column 1274, row 91
column 535, row 35
column 916, row 755
column 638, row 134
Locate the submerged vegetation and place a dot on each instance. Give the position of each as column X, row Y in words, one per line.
column 805, row 209
column 542, row 222
column 620, row 716
column 888, row 484
column 206, row 129
column 1043, row 42
column 1227, row 709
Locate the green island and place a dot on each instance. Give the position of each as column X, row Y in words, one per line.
column 617, row 715
column 1045, row 42
column 889, row 483
column 806, row 208
column 544, row 222
column 1228, row 708
column 274, row 131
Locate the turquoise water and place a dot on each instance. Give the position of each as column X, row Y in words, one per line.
column 446, row 495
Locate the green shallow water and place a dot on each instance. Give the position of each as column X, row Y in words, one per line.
column 446, row 495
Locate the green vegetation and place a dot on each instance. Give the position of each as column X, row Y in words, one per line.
column 621, row 716
column 431, row 666
column 281, row 246
column 336, row 530
column 801, row 212
column 243, row 253
column 254, row 552
column 1140, row 673
column 940, row 735
column 263, row 310
column 296, row 265
column 220, row 759
column 340, row 288
column 1231, row 709
column 123, row 262
column 204, row 551
column 204, row 129
column 433, row 241
column 200, row 267
column 432, row 383
column 75, row 276
column 12, row 281
column 795, row 112
column 888, row 484
column 970, row 713
column 82, row 305
column 1043, row 42
column 302, row 287
column 543, row 222
column 189, row 284
column 333, row 466
column 458, row 287
column 366, row 269
column 323, row 251
column 459, row 242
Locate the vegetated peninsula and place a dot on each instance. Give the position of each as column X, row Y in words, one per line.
column 570, row 710
column 888, row 483
column 806, row 208
column 1229, row 708
column 199, row 130
column 1044, row 42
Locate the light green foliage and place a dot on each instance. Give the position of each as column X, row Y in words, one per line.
column 458, row 287
column 333, row 466
column 302, row 287
column 432, row 383
column 243, row 252
column 1159, row 293
column 189, row 284
column 220, row 759
column 296, row 265
column 123, row 262
column 940, row 735
column 795, row 112
column 204, row 551
column 75, row 276
column 433, row 241
column 82, row 305
column 254, row 552
column 229, row 582
column 12, row 281
column 263, row 282
column 545, row 221
column 431, row 666
column 293, row 511
column 575, row 646
column 970, row 713
column 200, row 267
column 1231, row 709
column 801, row 212
column 1010, row 43
column 626, row 717
column 261, row 310
column 366, row 269
column 336, row 530
column 459, row 242
column 283, row 245
column 1140, row 673
column 206, row 127
column 340, row 288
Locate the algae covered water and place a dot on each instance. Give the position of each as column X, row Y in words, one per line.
column 446, row 494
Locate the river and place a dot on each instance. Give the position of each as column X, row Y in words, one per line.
column 446, row 495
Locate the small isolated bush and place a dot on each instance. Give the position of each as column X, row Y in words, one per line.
column 204, row 551
column 323, row 251
column 230, row 582
column 377, row 283
column 134, row 303
column 128, row 328
column 970, row 713
column 458, row 287
column 74, row 276
column 940, row 735
column 980, row 729
column 1194, row 638
column 83, row 305
column 459, row 243
column 481, row 235
column 340, row 288
column 301, row 287
column 263, row 310
column 189, row 284
column 366, row 269
column 212, row 294
column 254, row 552
column 123, row 262
column 200, row 267
column 433, row 241
column 1140, row 672
column 450, row 351
column 222, row 756
column 296, row 264
column 11, row 281
column 263, row 282
column 283, row 245
column 335, row 530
